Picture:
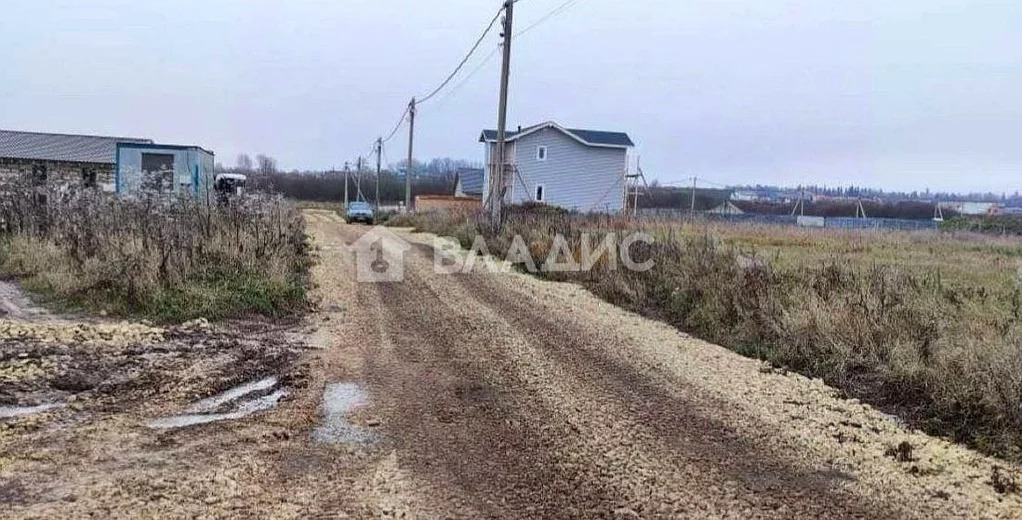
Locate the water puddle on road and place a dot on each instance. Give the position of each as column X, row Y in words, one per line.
column 8, row 412
column 202, row 412
column 339, row 400
column 210, row 404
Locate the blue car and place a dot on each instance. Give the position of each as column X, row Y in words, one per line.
column 360, row 212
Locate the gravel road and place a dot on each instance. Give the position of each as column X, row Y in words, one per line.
column 496, row 396
column 509, row 397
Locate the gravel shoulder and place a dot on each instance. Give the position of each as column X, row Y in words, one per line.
column 490, row 396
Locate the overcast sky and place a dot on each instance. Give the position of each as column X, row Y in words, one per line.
column 904, row 94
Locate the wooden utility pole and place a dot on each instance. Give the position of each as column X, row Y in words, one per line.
column 408, row 167
column 379, row 152
column 497, row 182
column 692, row 208
column 345, row 185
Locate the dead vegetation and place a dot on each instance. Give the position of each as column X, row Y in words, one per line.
column 944, row 352
column 166, row 257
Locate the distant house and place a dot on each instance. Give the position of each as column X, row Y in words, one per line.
column 575, row 169
column 726, row 208
column 63, row 159
column 468, row 182
column 745, row 196
column 972, row 208
column 163, row 167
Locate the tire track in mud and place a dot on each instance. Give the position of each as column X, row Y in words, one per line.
column 460, row 421
column 696, row 438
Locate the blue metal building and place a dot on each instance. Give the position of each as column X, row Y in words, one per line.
column 163, row 167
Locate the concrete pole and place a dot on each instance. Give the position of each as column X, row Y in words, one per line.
column 379, row 152
column 692, row 209
column 408, row 169
column 497, row 184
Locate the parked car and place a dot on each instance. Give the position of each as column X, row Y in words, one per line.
column 360, row 212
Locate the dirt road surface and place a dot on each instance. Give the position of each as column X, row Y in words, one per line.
column 495, row 396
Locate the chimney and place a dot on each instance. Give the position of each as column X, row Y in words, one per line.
column 519, row 129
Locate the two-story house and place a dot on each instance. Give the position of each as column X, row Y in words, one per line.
column 582, row 170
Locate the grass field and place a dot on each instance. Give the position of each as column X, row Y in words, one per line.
column 968, row 258
column 925, row 325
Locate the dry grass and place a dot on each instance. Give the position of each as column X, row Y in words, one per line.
column 926, row 325
column 164, row 257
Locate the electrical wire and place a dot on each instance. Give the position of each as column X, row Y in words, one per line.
column 457, row 86
column 397, row 127
column 558, row 10
column 464, row 60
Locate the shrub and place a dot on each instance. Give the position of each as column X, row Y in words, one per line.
column 161, row 256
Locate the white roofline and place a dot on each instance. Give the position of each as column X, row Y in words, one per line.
column 565, row 131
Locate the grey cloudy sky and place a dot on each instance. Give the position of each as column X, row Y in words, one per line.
column 896, row 94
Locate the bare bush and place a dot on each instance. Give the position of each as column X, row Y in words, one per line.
column 169, row 256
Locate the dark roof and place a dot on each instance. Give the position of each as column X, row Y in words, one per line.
column 61, row 147
column 471, row 180
column 590, row 137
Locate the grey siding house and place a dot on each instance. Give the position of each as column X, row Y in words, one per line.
column 581, row 170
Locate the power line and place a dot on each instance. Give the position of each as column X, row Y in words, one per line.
column 397, row 126
column 558, row 10
column 489, row 57
column 464, row 60
column 457, row 86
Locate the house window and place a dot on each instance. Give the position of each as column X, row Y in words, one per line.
column 541, row 153
column 540, row 193
column 89, row 177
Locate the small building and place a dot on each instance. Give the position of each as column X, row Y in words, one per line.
column 745, row 196
column 468, row 182
column 163, row 167
column 726, row 208
column 61, row 159
column 582, row 170
column 972, row 208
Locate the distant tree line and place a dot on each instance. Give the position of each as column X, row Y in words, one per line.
column 329, row 186
column 433, row 177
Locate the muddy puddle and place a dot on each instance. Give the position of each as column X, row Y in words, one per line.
column 230, row 405
column 339, row 401
column 8, row 412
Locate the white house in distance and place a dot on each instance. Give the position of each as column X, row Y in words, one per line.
column 582, row 170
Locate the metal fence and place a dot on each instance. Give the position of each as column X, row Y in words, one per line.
column 792, row 220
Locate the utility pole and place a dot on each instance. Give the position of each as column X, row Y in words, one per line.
column 358, row 181
column 408, row 167
column 345, row 185
column 497, row 183
column 379, row 152
column 692, row 208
